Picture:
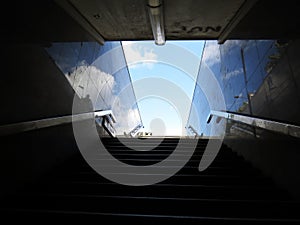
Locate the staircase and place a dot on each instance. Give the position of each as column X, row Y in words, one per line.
column 230, row 191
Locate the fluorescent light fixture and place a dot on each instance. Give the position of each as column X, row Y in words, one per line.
column 155, row 9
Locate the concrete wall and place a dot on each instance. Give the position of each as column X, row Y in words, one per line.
column 277, row 158
column 29, row 156
column 43, row 62
column 32, row 87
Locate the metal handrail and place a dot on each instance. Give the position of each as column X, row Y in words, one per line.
column 193, row 130
column 134, row 131
column 49, row 122
column 106, row 119
column 101, row 113
column 279, row 127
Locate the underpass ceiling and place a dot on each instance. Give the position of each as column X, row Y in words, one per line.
column 103, row 20
column 190, row 19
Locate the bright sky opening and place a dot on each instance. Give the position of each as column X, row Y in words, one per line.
column 163, row 79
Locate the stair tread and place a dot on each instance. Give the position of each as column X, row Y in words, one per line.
column 229, row 190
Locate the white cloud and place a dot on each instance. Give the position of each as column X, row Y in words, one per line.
column 136, row 54
column 234, row 73
column 212, row 49
column 126, row 117
column 82, row 77
column 91, row 80
column 99, row 77
column 211, row 53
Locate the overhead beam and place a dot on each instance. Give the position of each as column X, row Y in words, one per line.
column 80, row 19
column 241, row 13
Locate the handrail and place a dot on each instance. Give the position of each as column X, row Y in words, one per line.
column 101, row 113
column 106, row 119
column 193, row 131
column 49, row 122
column 134, row 131
column 279, row 127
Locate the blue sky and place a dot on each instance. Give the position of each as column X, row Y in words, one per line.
column 164, row 79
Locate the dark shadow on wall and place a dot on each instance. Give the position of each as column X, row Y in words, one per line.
column 33, row 88
column 276, row 157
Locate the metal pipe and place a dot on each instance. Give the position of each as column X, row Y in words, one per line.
column 279, row 127
column 49, row 122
